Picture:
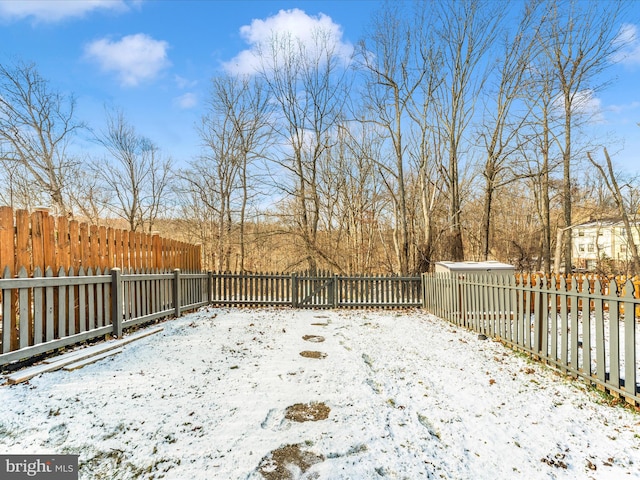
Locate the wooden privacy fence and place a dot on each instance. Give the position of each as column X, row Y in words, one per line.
column 584, row 281
column 585, row 329
column 316, row 290
column 36, row 239
column 53, row 311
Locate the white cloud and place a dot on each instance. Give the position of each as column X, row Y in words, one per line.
column 623, row 108
column 585, row 103
column 50, row 11
column 186, row 101
column 628, row 43
column 134, row 58
column 295, row 23
column 182, row 82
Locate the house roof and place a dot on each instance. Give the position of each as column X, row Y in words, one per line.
column 606, row 222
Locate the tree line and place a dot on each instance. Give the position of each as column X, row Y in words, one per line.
column 453, row 130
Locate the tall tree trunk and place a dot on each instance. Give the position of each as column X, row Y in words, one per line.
column 455, row 245
column 486, row 217
column 403, row 254
column 566, row 190
column 546, row 212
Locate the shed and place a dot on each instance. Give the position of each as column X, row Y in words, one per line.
column 489, row 266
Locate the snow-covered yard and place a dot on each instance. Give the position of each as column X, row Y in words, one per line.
column 387, row 394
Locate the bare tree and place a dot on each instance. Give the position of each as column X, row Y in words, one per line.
column 352, row 199
column 88, row 196
column 234, row 133
column 538, row 159
column 466, row 30
column 36, row 124
column 427, row 155
column 579, row 41
column 135, row 173
column 248, row 105
column 501, row 133
column 18, row 188
column 398, row 58
column 307, row 82
column 611, row 180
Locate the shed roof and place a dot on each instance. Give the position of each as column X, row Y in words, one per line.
column 480, row 266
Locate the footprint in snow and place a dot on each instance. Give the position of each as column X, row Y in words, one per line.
column 58, row 435
column 272, row 420
column 426, row 423
column 313, row 338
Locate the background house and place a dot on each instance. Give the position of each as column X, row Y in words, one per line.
column 603, row 241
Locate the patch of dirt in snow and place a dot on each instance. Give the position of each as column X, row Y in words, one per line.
column 313, row 354
column 556, row 461
column 282, row 463
column 307, row 412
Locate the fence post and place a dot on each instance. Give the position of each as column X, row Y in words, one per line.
column 335, row 292
column 209, row 287
column 294, row 290
column 116, row 302
column 538, row 312
column 459, row 297
column 176, row 292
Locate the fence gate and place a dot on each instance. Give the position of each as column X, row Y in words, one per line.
column 314, row 291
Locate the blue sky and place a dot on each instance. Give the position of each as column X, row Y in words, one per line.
column 154, row 58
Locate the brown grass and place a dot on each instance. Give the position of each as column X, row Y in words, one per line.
column 307, row 412
column 313, row 354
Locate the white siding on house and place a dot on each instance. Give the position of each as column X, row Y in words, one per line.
column 601, row 239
